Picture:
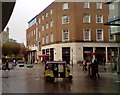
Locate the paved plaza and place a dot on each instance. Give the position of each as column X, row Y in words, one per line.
column 30, row 80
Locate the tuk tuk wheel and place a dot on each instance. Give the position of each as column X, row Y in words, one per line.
column 70, row 77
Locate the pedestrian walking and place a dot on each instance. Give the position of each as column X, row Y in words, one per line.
column 84, row 65
column 95, row 73
column 7, row 66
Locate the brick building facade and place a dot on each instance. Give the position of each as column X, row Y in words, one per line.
column 72, row 31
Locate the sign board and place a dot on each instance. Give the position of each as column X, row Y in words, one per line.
column 115, row 29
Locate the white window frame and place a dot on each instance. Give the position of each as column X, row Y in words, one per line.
column 51, row 23
column 47, row 39
column 51, row 11
column 42, row 17
column 47, row 25
column 101, row 35
column 34, row 32
column 114, row 36
column 87, row 5
column 84, row 31
column 65, row 19
column 84, row 18
column 39, row 20
column 99, row 5
column 42, row 27
column 63, row 39
column 65, row 6
column 46, row 14
column 51, row 37
column 101, row 18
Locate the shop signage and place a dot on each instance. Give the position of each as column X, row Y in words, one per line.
column 115, row 29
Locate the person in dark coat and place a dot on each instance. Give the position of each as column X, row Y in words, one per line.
column 95, row 73
column 7, row 66
column 85, row 66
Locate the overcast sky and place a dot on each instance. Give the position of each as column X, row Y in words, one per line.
column 23, row 12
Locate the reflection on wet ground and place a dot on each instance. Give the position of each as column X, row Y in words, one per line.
column 25, row 80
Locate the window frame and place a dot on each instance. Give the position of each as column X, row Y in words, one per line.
column 63, row 32
column 65, row 6
column 43, row 28
column 51, row 37
column 65, row 19
column 43, row 17
column 47, row 25
column 84, row 18
column 51, row 11
column 99, row 5
column 102, row 35
column 89, row 39
column 114, row 36
column 51, row 23
column 46, row 15
column 47, row 39
column 86, row 5
column 101, row 19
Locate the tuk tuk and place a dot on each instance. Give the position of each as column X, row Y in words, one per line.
column 56, row 69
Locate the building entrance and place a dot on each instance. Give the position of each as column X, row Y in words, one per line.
column 66, row 54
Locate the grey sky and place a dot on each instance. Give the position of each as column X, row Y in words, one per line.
column 24, row 11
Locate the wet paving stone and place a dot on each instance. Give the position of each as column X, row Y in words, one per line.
column 32, row 81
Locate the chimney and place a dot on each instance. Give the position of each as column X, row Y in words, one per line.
column 7, row 29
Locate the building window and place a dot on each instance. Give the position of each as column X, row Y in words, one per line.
column 111, row 36
column 42, row 27
column 86, row 5
column 51, row 37
column 99, row 19
column 51, row 23
column 42, row 17
column 86, row 35
column 34, row 32
column 65, row 19
column 65, row 36
column 42, row 40
column 99, row 35
column 39, row 21
column 65, row 6
column 46, row 14
column 86, row 18
column 47, row 40
column 99, row 5
column 47, row 25
column 51, row 11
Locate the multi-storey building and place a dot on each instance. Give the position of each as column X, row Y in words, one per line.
column 114, row 23
column 72, row 31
